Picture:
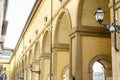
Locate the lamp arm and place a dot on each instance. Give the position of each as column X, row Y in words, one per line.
column 116, row 28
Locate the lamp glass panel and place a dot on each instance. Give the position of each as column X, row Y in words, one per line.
column 99, row 16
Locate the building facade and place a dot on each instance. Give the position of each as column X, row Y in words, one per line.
column 61, row 40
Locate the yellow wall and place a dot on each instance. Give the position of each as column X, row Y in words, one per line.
column 62, row 62
column 91, row 47
column 46, row 69
column 88, row 10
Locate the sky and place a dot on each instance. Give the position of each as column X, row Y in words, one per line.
column 17, row 15
column 97, row 67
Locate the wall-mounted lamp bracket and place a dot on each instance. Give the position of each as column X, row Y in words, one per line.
column 38, row 72
column 99, row 15
column 31, row 69
column 112, row 28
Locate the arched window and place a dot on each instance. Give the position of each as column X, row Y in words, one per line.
column 98, row 71
column 65, row 75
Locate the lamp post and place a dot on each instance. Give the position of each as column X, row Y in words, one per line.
column 51, row 56
column 99, row 15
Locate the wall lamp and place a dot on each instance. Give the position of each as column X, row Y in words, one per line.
column 113, row 28
column 31, row 69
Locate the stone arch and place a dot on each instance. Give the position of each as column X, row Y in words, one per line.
column 105, row 61
column 46, row 43
column 86, row 10
column 37, row 51
column 30, row 56
column 63, row 25
column 79, row 12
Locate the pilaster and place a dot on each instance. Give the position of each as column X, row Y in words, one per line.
column 76, row 47
column 76, row 57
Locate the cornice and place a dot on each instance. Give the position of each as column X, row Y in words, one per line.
column 61, row 46
column 89, row 30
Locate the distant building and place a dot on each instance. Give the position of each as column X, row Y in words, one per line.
column 3, row 22
column 98, row 76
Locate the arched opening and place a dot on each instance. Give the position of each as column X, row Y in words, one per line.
column 65, row 76
column 98, row 71
column 65, row 73
column 63, row 29
column 62, row 42
column 37, row 51
column 100, row 68
column 45, row 62
column 46, row 43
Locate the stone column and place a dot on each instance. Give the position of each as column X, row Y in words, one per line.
column 76, row 57
column 35, row 70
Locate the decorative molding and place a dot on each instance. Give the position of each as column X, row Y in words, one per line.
column 45, row 57
column 61, row 46
column 91, row 31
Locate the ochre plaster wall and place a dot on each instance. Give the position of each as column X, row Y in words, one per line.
column 89, row 8
column 91, row 47
column 46, row 68
column 62, row 62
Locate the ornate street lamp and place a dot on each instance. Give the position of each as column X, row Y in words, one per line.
column 99, row 15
